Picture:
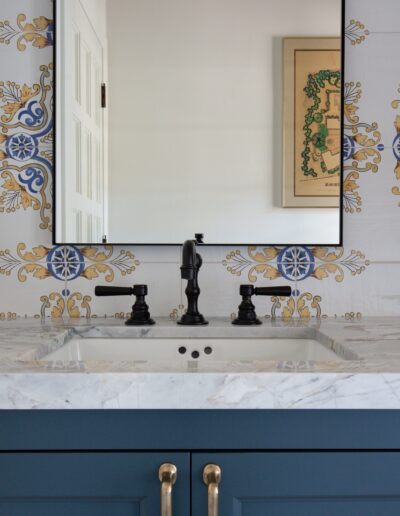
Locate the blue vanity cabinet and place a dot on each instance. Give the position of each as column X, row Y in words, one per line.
column 301, row 483
column 89, row 484
column 286, row 463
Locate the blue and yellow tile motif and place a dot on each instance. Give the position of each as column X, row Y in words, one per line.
column 26, row 168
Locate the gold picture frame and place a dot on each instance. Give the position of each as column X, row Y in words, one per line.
column 311, row 122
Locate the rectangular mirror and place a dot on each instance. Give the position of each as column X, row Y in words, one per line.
column 176, row 117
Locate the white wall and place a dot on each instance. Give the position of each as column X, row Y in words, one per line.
column 195, row 120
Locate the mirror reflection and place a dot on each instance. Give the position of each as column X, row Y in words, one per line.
column 220, row 117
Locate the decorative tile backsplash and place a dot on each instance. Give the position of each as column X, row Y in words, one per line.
column 360, row 279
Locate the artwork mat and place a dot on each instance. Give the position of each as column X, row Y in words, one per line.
column 290, row 45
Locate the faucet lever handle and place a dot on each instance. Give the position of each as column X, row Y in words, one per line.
column 113, row 291
column 283, row 291
column 140, row 315
column 247, row 312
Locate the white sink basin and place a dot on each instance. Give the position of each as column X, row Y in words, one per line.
column 192, row 349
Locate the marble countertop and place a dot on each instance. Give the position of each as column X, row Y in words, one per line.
column 368, row 376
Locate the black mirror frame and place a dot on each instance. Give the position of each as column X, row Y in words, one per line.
column 243, row 244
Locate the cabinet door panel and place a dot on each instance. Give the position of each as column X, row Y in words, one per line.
column 89, row 484
column 301, row 484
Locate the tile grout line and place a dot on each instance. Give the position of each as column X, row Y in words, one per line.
column 383, row 32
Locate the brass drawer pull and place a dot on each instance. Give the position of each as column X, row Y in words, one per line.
column 212, row 478
column 167, row 475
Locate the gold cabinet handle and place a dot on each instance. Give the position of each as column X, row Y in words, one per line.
column 212, row 478
column 167, row 475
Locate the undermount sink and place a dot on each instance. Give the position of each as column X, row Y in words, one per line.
column 193, row 349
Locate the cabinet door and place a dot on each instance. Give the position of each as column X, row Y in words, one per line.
column 301, row 484
column 89, row 484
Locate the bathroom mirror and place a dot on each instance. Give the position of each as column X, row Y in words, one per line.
column 176, row 117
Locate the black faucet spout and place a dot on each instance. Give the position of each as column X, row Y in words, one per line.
column 191, row 263
column 189, row 260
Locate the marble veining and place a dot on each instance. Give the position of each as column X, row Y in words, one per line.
column 367, row 377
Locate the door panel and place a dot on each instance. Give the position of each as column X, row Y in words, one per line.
column 301, row 484
column 83, row 68
column 89, row 484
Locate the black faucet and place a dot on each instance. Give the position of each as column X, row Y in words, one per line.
column 191, row 263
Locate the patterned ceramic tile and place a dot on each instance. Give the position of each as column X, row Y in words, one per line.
column 26, row 148
column 255, row 263
column 355, row 31
column 163, row 284
column 154, row 254
column 23, row 32
column 377, row 111
column 301, row 305
column 362, row 149
column 222, row 293
column 374, row 292
column 360, row 279
column 30, row 296
column 376, row 16
column 106, row 263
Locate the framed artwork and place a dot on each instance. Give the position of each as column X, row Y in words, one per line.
column 311, row 122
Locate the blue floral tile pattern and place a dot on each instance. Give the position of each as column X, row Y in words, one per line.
column 65, row 262
column 296, row 263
